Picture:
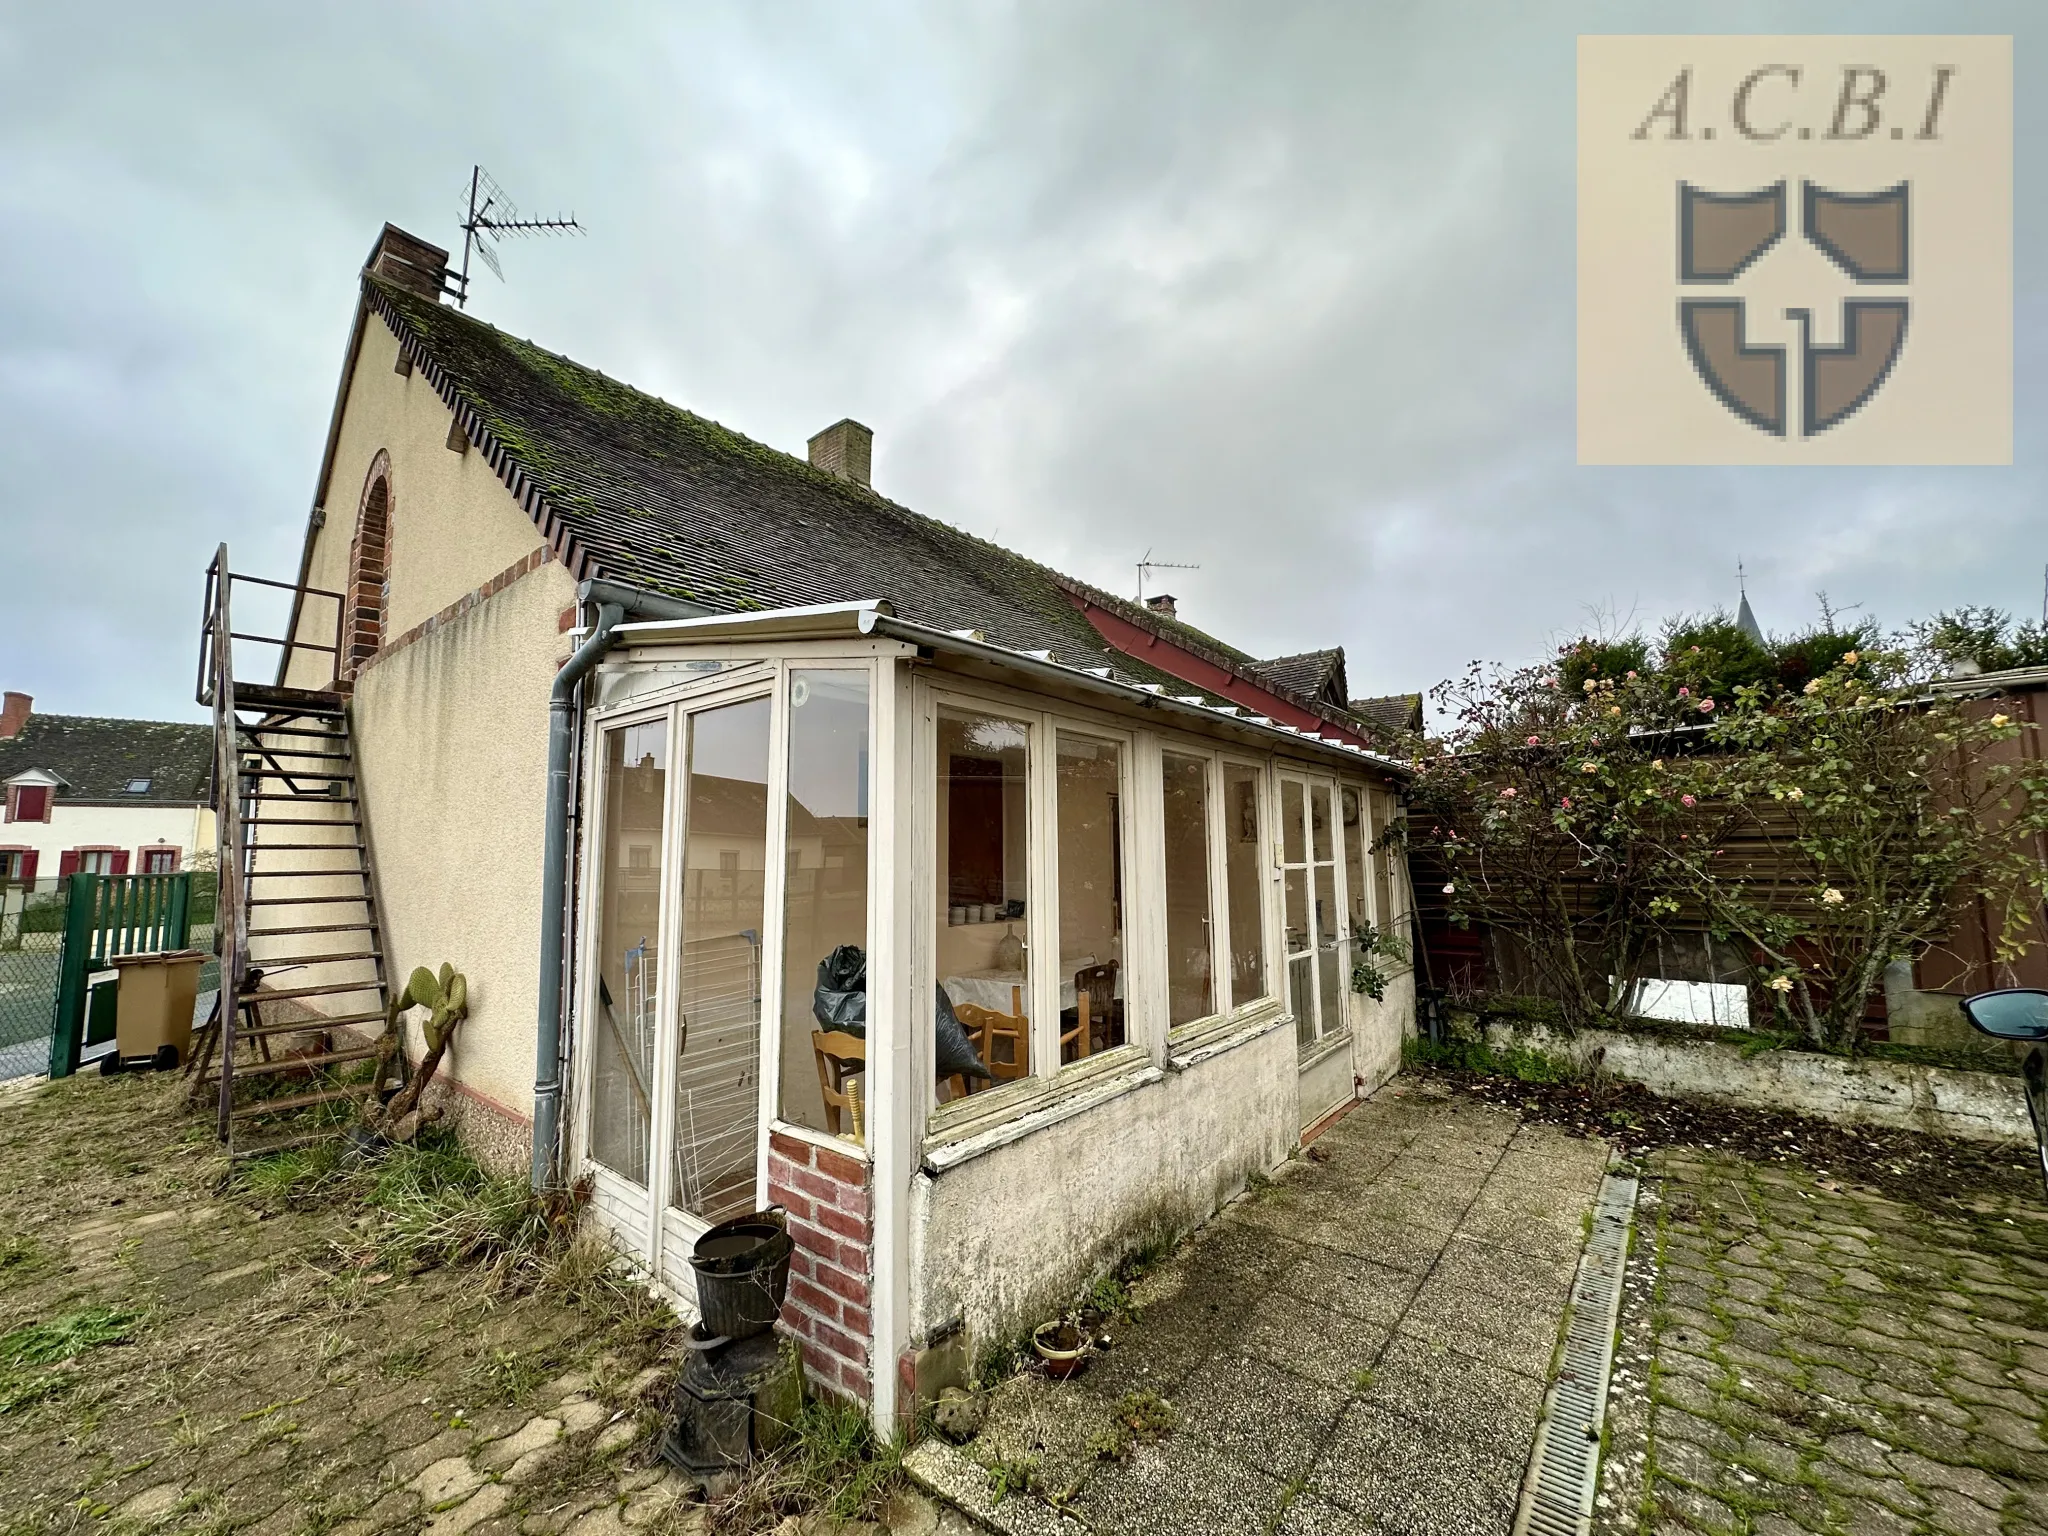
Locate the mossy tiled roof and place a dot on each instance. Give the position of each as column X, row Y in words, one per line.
column 98, row 759
column 672, row 502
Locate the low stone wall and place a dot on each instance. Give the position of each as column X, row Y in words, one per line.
column 1980, row 1106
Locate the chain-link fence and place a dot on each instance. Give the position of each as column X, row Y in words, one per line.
column 32, row 917
column 31, row 946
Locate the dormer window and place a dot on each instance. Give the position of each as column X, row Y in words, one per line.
column 138, row 786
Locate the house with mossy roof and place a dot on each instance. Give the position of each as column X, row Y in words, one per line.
column 804, row 850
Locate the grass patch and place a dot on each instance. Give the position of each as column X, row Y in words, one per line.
column 30, row 1356
column 19, row 1259
column 831, row 1463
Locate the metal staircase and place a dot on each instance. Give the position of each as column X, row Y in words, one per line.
column 301, row 944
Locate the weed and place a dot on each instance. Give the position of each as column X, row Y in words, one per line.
column 1007, row 1477
column 830, row 1463
column 1361, row 1381
column 1109, row 1296
column 507, row 1375
column 1147, row 1415
column 999, row 1361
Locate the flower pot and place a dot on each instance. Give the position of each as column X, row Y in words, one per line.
column 1060, row 1345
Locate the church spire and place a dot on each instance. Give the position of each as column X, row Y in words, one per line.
column 1745, row 620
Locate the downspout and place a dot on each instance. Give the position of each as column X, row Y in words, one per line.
column 554, row 893
column 613, row 601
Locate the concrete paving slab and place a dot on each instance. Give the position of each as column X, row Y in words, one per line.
column 1180, row 1487
column 1325, row 1346
column 1411, row 1480
column 1339, row 1282
column 1267, row 1417
column 1454, row 1395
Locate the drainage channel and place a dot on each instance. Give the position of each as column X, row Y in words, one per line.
column 1557, row 1495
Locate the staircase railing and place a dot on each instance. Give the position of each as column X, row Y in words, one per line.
column 217, row 637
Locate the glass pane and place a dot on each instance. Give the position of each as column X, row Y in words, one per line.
column 984, row 921
column 1301, row 985
column 718, row 1049
column 1241, row 873
column 1328, row 948
column 1383, row 860
column 1291, row 851
column 1356, row 837
column 825, row 903
column 628, row 922
column 1189, row 994
column 1319, row 821
column 1297, row 936
column 1089, row 785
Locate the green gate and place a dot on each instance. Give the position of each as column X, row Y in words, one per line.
column 105, row 916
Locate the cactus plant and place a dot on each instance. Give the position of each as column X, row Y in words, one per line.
column 446, row 998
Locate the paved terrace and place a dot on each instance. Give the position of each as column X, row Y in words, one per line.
column 1362, row 1347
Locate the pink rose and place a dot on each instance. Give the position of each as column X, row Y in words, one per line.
column 1685, row 693
column 1508, row 793
column 1687, row 801
column 1533, row 740
column 1567, row 802
column 1706, row 706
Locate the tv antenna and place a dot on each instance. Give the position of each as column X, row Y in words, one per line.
column 1148, row 565
column 491, row 215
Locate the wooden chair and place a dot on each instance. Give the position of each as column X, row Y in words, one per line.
column 984, row 1026
column 840, row 1056
column 1094, row 1002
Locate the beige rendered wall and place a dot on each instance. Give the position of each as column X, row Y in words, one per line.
column 451, row 743
column 453, row 524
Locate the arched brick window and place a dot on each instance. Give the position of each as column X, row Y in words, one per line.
column 369, row 572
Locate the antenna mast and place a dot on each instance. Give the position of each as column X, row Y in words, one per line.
column 1148, row 565
column 490, row 215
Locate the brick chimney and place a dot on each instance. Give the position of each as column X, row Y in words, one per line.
column 846, row 449
column 14, row 710
column 409, row 262
column 1164, row 604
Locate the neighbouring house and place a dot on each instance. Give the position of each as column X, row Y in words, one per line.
column 647, row 722
column 110, row 797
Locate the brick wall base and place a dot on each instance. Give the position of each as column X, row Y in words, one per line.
column 827, row 1310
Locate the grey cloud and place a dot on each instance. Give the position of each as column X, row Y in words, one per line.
column 1283, row 290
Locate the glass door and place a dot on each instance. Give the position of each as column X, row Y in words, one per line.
column 1314, row 934
column 673, row 1016
column 713, row 1114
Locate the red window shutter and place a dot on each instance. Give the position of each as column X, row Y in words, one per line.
column 28, row 865
column 29, row 802
column 121, row 861
column 67, row 863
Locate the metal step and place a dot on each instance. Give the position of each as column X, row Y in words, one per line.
column 288, row 821
column 299, row 901
column 296, row 1063
column 298, row 874
column 244, row 728
column 355, row 847
column 324, row 990
column 266, row 933
column 273, row 962
column 296, row 753
column 303, row 1026
column 295, row 773
column 277, row 699
column 294, row 1101
column 302, row 799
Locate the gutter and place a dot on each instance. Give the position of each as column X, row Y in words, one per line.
column 613, row 601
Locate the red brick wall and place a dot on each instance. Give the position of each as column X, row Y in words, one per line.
column 827, row 1311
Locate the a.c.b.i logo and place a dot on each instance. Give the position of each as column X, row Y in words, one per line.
column 1795, row 250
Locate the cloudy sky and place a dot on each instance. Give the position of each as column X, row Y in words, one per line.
column 1284, row 291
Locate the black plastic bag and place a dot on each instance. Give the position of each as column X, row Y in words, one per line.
column 956, row 1053
column 841, row 1001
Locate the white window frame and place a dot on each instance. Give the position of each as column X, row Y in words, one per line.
column 1224, row 1001
column 1332, row 1019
